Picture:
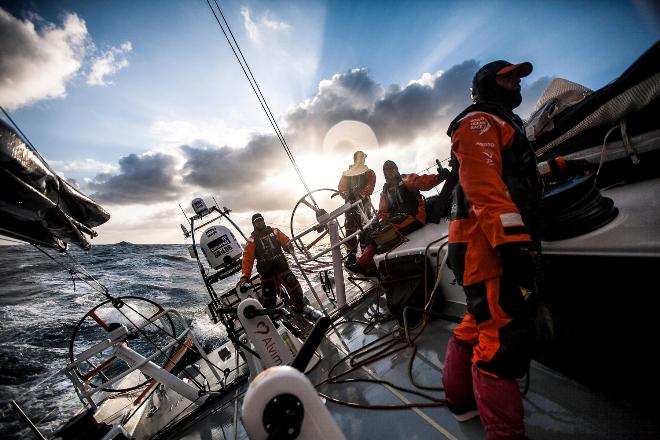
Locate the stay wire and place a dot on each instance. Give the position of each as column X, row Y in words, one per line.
column 255, row 88
column 269, row 112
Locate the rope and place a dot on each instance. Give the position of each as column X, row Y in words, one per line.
column 603, row 152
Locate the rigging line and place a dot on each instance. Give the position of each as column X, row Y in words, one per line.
column 264, row 99
column 85, row 272
column 253, row 78
column 255, row 88
column 260, row 96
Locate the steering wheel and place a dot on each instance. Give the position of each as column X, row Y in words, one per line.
column 306, row 211
column 94, row 327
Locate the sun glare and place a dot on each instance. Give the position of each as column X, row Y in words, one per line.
column 348, row 136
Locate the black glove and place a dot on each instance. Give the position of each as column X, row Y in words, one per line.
column 443, row 173
column 519, row 272
column 518, row 263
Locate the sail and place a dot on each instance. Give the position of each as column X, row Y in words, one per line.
column 569, row 117
column 37, row 205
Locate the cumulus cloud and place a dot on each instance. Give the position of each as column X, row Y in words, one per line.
column 349, row 95
column 37, row 58
column 214, row 167
column 83, row 165
column 108, row 63
column 398, row 115
column 409, row 122
column 145, row 178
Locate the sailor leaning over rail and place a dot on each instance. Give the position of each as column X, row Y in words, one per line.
column 265, row 244
column 356, row 183
column 401, row 206
column 493, row 236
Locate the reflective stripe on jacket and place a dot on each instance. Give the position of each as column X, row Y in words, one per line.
column 496, row 183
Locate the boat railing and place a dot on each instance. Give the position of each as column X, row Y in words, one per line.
column 117, row 340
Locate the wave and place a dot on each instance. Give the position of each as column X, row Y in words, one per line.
column 39, row 308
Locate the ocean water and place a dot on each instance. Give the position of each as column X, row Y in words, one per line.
column 40, row 306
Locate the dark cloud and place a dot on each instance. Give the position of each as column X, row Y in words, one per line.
column 213, row 167
column 406, row 113
column 398, row 114
column 237, row 175
column 146, row 178
column 349, row 95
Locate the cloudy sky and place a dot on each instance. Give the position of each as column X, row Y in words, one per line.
column 143, row 106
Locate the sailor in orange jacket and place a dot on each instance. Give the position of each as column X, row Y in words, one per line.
column 401, row 205
column 265, row 245
column 493, row 236
column 356, row 183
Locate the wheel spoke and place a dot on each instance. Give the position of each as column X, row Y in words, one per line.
column 317, row 239
column 306, row 203
column 98, row 320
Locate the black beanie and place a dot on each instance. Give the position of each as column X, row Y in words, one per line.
column 485, row 88
column 257, row 216
column 389, row 163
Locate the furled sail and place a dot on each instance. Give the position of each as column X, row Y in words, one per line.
column 37, row 205
column 570, row 118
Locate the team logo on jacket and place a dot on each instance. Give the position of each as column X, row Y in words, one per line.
column 489, row 157
column 479, row 125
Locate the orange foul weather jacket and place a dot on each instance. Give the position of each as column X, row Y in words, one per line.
column 479, row 143
column 494, row 206
column 406, row 199
column 269, row 246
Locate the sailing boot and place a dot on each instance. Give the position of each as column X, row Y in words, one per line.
column 457, row 380
column 500, row 406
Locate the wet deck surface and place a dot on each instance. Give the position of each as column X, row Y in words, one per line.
column 555, row 406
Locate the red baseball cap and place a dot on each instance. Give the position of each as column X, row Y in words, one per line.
column 523, row 69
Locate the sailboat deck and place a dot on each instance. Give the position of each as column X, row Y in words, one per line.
column 555, row 406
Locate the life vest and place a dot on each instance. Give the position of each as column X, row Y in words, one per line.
column 402, row 200
column 518, row 169
column 266, row 249
column 357, row 183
